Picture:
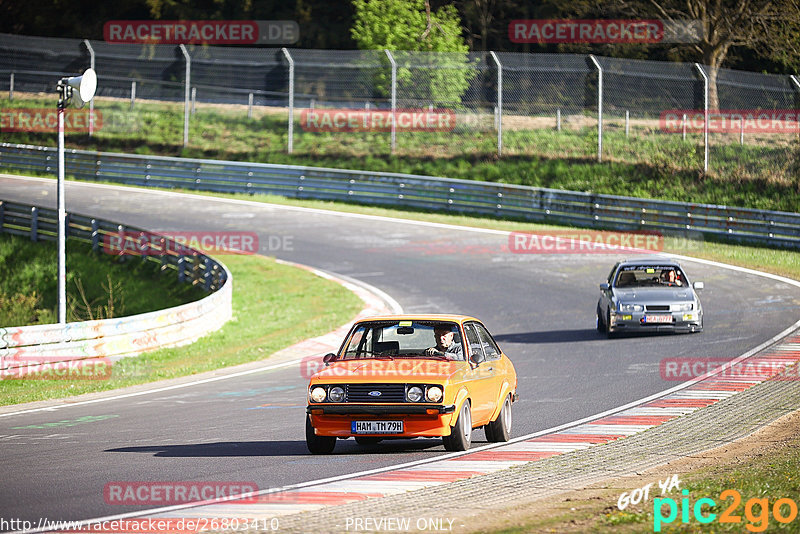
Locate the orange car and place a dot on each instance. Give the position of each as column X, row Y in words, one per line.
column 404, row 376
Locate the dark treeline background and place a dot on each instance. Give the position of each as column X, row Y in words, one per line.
column 326, row 24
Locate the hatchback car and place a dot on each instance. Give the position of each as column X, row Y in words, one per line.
column 408, row 376
column 649, row 295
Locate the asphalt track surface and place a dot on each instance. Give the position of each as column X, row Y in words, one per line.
column 540, row 307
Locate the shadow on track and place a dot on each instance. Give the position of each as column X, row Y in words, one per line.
column 277, row 448
column 551, row 336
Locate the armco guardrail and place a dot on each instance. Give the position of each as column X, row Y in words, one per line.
column 772, row 228
column 125, row 336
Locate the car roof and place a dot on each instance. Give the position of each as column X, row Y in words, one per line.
column 421, row 317
column 650, row 260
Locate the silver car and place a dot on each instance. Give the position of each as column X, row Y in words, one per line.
column 649, row 295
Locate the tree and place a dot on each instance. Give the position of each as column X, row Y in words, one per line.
column 408, row 26
column 770, row 27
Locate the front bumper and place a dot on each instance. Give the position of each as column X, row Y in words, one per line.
column 635, row 322
column 418, row 420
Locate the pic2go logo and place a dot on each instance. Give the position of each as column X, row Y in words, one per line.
column 783, row 510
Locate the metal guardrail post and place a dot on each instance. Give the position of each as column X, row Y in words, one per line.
column 705, row 114
column 95, row 235
column 499, row 103
column 11, row 87
column 133, row 94
column 290, row 145
column 34, row 224
column 91, row 102
column 187, row 83
column 394, row 100
column 599, row 107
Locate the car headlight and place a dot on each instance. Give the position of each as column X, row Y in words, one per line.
column 681, row 307
column 318, row 394
column 336, row 394
column 630, row 307
column 434, row 394
column 414, row 394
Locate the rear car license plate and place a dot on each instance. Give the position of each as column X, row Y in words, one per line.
column 658, row 319
column 376, row 427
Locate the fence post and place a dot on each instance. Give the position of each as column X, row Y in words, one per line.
column 683, row 125
column 250, row 106
column 558, row 119
column 11, row 87
column 394, row 99
column 133, row 94
column 194, row 100
column 705, row 114
column 796, row 83
column 291, row 99
column 599, row 108
column 499, row 103
column 627, row 122
column 187, row 84
column 91, row 102
column 2, row 215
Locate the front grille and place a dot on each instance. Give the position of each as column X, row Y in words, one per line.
column 389, row 393
column 657, row 307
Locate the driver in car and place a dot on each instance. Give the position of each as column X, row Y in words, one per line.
column 671, row 278
column 444, row 334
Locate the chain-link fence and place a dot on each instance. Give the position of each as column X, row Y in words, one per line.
column 553, row 106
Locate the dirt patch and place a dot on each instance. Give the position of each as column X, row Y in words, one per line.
column 585, row 510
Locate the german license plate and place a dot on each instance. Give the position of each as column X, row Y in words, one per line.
column 658, row 319
column 376, row 427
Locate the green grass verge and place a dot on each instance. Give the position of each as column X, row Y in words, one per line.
column 274, row 306
column 98, row 286
column 761, row 174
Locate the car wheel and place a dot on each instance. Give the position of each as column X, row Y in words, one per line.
column 608, row 331
column 318, row 444
column 367, row 440
column 460, row 437
column 500, row 428
column 599, row 326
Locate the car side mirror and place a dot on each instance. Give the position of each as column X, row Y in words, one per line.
column 604, row 286
column 328, row 358
column 698, row 285
column 477, row 358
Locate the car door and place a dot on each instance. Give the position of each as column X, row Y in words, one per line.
column 483, row 377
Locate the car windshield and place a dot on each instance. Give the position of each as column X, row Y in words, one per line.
column 651, row 275
column 405, row 339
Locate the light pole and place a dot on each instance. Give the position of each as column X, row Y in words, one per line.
column 82, row 89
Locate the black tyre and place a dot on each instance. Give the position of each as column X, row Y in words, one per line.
column 368, row 440
column 600, row 327
column 461, row 436
column 318, row 444
column 500, row 428
column 608, row 331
